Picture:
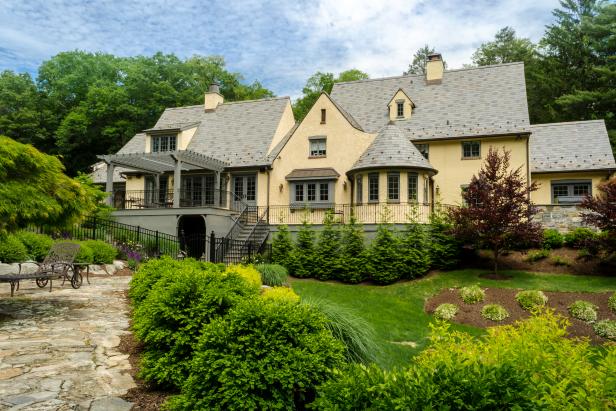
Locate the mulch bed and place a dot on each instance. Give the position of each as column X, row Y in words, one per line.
column 470, row 314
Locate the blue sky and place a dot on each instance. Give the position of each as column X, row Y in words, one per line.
column 279, row 43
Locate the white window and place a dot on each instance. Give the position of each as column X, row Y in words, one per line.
column 318, row 147
column 163, row 143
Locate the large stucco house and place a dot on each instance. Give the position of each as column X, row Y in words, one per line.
column 407, row 144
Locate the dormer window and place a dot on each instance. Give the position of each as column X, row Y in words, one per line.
column 400, row 109
column 163, row 143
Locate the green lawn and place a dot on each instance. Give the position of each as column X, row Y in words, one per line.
column 396, row 311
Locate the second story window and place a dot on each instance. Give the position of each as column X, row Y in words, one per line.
column 163, row 143
column 471, row 149
column 424, row 149
column 400, row 109
column 323, row 116
column 373, row 187
column 312, row 193
column 318, row 147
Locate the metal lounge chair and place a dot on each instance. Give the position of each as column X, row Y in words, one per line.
column 59, row 263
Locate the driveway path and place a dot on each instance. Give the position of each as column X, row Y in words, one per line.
column 59, row 350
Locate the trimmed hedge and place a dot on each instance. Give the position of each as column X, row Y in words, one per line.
column 102, row 252
column 38, row 245
column 12, row 250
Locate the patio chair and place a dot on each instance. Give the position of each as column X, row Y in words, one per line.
column 58, row 263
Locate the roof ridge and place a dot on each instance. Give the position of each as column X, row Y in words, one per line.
column 564, row 123
column 232, row 102
column 422, row 75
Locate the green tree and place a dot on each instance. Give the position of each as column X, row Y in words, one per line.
column 282, row 247
column 418, row 64
column 353, row 253
column 506, row 48
column 302, row 259
column 386, row 259
column 321, row 82
column 415, row 250
column 327, row 252
column 35, row 190
column 445, row 249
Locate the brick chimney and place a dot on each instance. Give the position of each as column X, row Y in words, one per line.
column 213, row 97
column 434, row 68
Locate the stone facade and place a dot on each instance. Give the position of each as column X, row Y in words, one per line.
column 561, row 217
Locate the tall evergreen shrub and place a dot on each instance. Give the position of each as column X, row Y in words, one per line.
column 415, row 251
column 282, row 247
column 302, row 260
column 444, row 248
column 327, row 251
column 353, row 267
column 386, row 259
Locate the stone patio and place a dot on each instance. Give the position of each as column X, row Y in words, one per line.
column 59, row 350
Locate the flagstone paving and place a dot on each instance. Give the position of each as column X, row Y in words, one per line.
column 59, row 350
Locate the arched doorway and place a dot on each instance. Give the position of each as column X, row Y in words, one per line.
column 192, row 234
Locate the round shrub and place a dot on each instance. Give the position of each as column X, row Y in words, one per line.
column 102, row 252
column 273, row 275
column 552, row 239
column 171, row 318
column 579, row 238
column 583, row 310
column 531, row 299
column 351, row 329
column 280, row 293
column 606, row 329
column 85, row 254
column 472, row 294
column 247, row 272
column 536, row 255
column 38, row 245
column 12, row 250
column 446, row 311
column 611, row 302
column 262, row 355
column 494, row 312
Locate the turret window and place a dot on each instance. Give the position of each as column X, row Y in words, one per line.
column 393, row 187
column 373, row 187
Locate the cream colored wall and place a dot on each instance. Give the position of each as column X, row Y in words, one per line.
column 454, row 172
column 262, row 188
column 184, row 138
column 543, row 195
column 434, row 70
column 134, row 183
column 344, row 146
column 287, row 121
column 212, row 100
column 393, row 108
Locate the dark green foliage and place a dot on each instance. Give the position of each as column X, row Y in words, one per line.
column 265, row 354
column 552, row 239
column 169, row 321
column 415, row 251
column 85, row 254
column 444, row 247
column 327, row 250
column 12, row 250
column 386, row 259
column 579, row 238
column 357, row 335
column 303, row 258
column 38, row 245
column 353, row 254
column 282, row 247
column 273, row 275
column 103, row 253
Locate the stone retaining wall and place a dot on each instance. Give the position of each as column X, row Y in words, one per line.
column 561, row 217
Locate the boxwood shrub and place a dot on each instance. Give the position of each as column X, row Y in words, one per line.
column 12, row 250
column 472, row 294
column 552, row 239
column 170, row 319
column 263, row 354
column 85, row 254
column 38, row 245
column 531, row 299
column 583, row 310
column 579, row 238
column 494, row 312
column 102, row 252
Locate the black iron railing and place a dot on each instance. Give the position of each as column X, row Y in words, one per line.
column 144, row 199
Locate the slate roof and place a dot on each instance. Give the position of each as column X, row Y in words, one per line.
column 238, row 133
column 487, row 100
column 571, row 146
column 391, row 148
column 309, row 173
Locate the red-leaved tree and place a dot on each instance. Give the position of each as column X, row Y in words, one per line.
column 498, row 212
column 602, row 211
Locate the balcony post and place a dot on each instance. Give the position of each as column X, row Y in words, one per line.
column 217, row 202
column 109, row 185
column 177, row 172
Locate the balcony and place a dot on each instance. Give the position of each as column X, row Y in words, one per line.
column 148, row 199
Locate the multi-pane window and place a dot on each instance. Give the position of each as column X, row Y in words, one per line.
column 413, row 186
column 299, row 193
column 318, row 147
column 393, row 187
column 163, row 143
column 373, row 187
column 400, row 108
column 312, row 192
column 359, row 188
column 424, row 150
column 570, row 191
column 471, row 149
column 324, row 192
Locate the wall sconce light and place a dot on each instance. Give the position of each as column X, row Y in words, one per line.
column 280, row 187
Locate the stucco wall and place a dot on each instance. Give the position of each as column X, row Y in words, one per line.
column 393, row 107
column 287, row 121
column 134, row 183
column 344, row 146
column 543, row 195
column 454, row 172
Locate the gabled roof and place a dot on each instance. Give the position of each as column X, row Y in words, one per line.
column 406, row 95
column 571, row 146
column 391, row 149
column 479, row 101
column 237, row 133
